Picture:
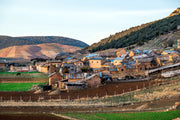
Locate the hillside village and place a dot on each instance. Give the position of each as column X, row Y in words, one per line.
column 79, row 70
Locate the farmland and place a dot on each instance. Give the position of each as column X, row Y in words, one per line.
column 35, row 116
column 127, row 116
column 17, row 86
column 22, row 75
column 10, row 81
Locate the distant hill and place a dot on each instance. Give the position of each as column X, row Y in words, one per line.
column 7, row 41
column 138, row 35
column 47, row 50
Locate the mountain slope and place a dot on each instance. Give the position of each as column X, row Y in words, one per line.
column 6, row 41
column 39, row 50
column 139, row 34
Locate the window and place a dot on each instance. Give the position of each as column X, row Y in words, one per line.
column 97, row 61
column 95, row 82
column 122, row 69
column 92, row 62
column 140, row 68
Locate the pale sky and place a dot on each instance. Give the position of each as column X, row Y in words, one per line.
column 85, row 20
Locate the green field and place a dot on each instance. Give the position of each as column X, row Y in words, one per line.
column 17, row 86
column 23, row 74
column 127, row 116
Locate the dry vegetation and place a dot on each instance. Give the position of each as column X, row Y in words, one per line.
column 39, row 50
column 164, row 91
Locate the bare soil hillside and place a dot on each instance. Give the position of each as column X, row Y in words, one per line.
column 40, row 50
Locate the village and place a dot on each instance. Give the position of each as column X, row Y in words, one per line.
column 81, row 70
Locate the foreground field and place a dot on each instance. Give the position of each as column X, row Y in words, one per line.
column 108, row 89
column 17, row 86
column 22, row 75
column 7, row 116
column 127, row 116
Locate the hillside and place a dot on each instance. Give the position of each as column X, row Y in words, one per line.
column 161, row 42
column 140, row 34
column 6, row 41
column 39, row 50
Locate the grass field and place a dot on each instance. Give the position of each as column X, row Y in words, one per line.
column 23, row 74
column 127, row 116
column 17, row 86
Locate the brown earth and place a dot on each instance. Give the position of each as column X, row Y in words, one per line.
column 109, row 89
column 40, row 50
column 29, row 117
column 158, row 105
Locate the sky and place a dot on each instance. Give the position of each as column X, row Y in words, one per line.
column 85, row 20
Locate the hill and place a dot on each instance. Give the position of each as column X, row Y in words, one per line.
column 140, row 34
column 7, row 41
column 40, row 50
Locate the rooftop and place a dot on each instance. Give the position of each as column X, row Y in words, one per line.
column 96, row 58
column 119, row 58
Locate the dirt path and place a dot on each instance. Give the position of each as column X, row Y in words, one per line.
column 157, row 105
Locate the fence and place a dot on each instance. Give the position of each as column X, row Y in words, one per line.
column 96, row 101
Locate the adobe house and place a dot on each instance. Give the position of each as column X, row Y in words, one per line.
column 67, row 84
column 19, row 69
column 120, row 52
column 173, row 56
column 68, row 68
column 56, row 63
column 52, row 68
column 54, row 78
column 118, row 60
column 96, row 62
column 167, row 52
column 92, row 81
column 178, row 42
column 43, row 67
column 3, row 64
column 122, row 69
column 134, row 53
column 79, row 63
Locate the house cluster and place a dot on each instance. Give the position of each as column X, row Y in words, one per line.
column 87, row 70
